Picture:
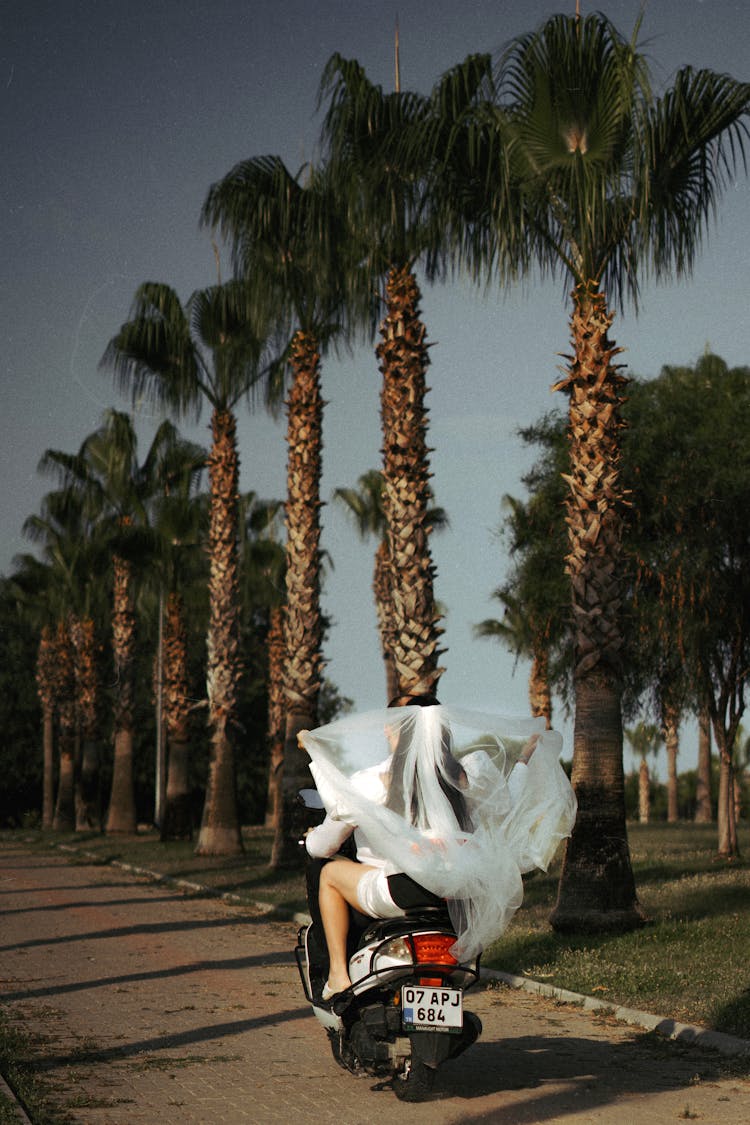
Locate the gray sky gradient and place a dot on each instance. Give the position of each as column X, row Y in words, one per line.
column 116, row 117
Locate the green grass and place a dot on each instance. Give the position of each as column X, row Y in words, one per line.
column 691, row 962
column 41, row 1099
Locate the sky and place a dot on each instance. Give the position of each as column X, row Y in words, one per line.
column 115, row 118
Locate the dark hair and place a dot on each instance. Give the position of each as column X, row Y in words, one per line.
column 451, row 779
column 425, row 700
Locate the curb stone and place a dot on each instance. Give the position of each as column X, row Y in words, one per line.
column 664, row 1025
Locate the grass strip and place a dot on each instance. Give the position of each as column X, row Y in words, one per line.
column 40, row 1099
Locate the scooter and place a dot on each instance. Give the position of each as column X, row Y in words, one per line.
column 404, row 1014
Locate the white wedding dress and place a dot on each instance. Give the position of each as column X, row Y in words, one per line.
column 517, row 814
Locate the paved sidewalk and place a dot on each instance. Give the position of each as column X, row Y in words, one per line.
column 160, row 1007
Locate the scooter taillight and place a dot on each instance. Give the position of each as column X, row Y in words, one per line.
column 433, row 949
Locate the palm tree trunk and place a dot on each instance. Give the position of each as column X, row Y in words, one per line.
column 121, row 815
column 403, row 359
column 302, row 620
column 220, row 829
column 703, row 809
column 644, row 793
column 48, row 779
column 381, row 585
column 88, row 793
column 64, row 816
column 597, row 888
column 275, row 716
column 176, row 819
column 45, row 663
column 540, row 697
column 672, row 743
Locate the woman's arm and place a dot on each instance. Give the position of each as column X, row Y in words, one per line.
column 326, row 839
column 517, row 776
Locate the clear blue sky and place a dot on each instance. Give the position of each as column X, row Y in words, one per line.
column 115, row 119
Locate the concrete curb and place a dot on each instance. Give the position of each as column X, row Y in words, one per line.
column 693, row 1034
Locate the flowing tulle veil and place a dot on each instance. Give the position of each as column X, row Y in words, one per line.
column 451, row 819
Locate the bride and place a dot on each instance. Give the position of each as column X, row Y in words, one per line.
column 442, row 802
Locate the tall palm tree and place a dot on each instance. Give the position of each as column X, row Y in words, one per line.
column 179, row 521
column 516, row 630
column 35, row 587
column 213, row 349
column 114, row 491
column 287, row 234
column 382, row 181
column 365, row 505
column 644, row 739
column 74, row 558
column 598, row 181
column 45, row 664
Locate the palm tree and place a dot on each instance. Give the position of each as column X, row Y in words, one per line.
column 644, row 739
column 179, row 520
column 45, row 665
column 212, row 349
column 516, row 630
column 263, row 565
column 68, row 670
column 286, row 233
column 114, row 492
column 379, row 163
column 365, row 505
column 32, row 587
column 536, row 596
column 595, row 178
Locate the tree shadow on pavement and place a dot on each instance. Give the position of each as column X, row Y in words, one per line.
column 139, row 930
column 238, row 964
column 217, row 1033
column 585, row 1074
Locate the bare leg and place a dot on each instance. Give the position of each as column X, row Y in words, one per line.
column 338, row 890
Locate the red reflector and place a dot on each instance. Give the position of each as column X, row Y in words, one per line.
column 434, row 949
column 430, row 982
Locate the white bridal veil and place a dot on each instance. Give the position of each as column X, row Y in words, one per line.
column 514, row 824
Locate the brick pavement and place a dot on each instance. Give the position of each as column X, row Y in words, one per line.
column 160, row 1006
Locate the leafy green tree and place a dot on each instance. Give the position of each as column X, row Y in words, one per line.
column 687, row 442
column 213, row 349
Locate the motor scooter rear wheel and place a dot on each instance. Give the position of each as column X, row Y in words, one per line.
column 416, row 1084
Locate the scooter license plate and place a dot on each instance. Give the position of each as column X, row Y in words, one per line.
column 428, row 1008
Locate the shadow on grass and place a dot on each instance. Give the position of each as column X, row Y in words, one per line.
column 734, row 1017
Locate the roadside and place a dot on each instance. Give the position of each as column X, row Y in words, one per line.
column 154, row 1003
